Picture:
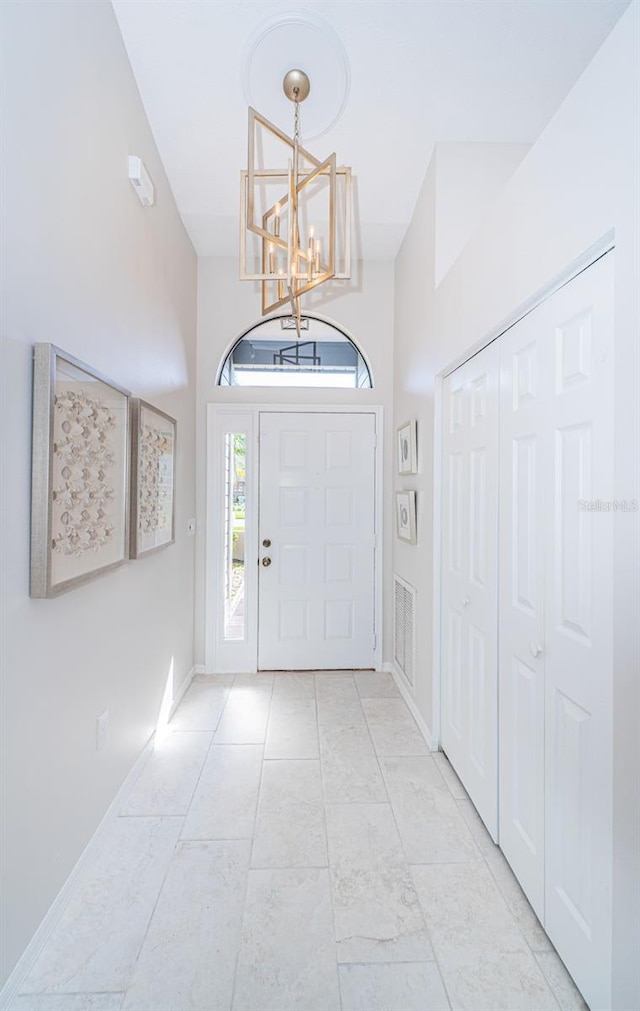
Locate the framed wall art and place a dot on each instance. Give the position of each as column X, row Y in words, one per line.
column 79, row 473
column 408, row 448
column 406, row 516
column 153, row 453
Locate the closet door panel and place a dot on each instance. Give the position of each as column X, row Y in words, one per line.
column 525, row 368
column 578, row 634
column 469, row 578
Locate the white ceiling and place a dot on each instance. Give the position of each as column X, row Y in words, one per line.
column 418, row 72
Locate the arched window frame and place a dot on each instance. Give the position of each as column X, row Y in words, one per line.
column 225, row 360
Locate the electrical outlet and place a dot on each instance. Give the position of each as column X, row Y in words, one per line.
column 191, row 527
column 102, row 730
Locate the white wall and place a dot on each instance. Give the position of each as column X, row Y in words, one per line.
column 578, row 182
column 413, row 398
column 468, row 179
column 86, row 267
column 227, row 307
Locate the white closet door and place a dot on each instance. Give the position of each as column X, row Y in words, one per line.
column 526, row 369
column 556, row 618
column 469, row 579
column 578, row 629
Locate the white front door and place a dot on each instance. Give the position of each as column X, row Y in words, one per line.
column 317, row 541
column 469, row 579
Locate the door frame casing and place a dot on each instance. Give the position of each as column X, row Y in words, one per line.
column 224, row 656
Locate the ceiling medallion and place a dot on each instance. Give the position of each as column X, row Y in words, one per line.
column 297, row 38
column 295, row 230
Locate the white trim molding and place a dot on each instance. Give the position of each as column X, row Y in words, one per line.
column 403, row 688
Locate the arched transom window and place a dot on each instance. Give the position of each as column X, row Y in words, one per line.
column 270, row 354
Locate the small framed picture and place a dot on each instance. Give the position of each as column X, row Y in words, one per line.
column 406, row 516
column 153, row 455
column 407, row 448
column 79, row 473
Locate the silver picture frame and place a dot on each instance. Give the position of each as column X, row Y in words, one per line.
column 152, row 520
column 408, row 448
column 79, row 473
column 406, row 516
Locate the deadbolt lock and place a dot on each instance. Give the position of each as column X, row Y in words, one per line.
column 266, row 543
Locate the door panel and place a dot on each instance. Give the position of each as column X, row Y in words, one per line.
column 578, row 634
column 317, row 508
column 525, row 367
column 469, row 579
column 556, row 618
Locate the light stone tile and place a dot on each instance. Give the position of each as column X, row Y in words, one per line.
column 225, row 801
column 336, row 688
column 261, row 680
column 387, row 711
column 431, row 827
column 376, row 908
column 564, row 989
column 371, row 685
column 293, row 729
column 340, row 712
column 456, row 788
column 94, row 946
column 476, row 826
column 245, row 716
column 68, row 1002
column 350, row 769
column 412, row 986
column 483, row 957
column 517, row 902
column 290, row 830
column 287, row 960
column 396, row 741
column 294, row 686
column 346, row 673
column 187, row 961
column 466, row 915
column 167, row 781
column 501, row 982
column 200, row 708
column 219, row 680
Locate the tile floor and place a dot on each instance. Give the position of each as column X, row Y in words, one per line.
column 292, row 845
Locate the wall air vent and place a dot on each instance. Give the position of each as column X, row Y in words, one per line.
column 404, row 646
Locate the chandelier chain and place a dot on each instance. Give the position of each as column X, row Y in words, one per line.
column 296, row 120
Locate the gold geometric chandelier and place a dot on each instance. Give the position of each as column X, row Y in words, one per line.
column 295, row 222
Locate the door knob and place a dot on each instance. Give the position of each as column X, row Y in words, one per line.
column 466, row 601
column 266, row 543
column 266, row 562
column 536, row 649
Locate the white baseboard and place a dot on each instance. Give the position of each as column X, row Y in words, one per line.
column 405, row 691
column 12, row 986
column 178, row 696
